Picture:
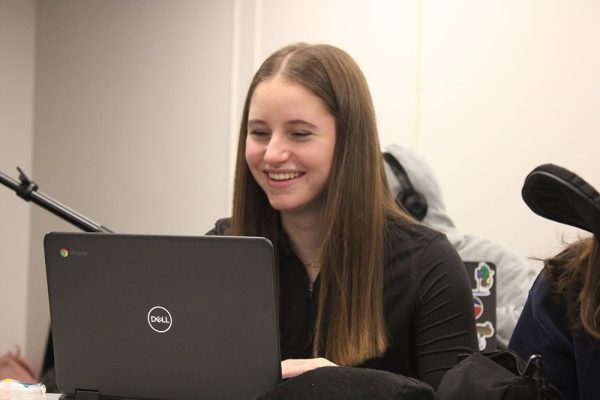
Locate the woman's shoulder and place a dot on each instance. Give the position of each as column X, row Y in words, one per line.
column 414, row 235
column 221, row 227
column 423, row 249
column 544, row 303
column 543, row 329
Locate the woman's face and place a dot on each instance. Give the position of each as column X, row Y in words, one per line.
column 290, row 145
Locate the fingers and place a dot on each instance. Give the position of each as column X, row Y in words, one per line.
column 294, row 367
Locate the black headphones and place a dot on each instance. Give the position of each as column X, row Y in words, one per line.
column 560, row 195
column 408, row 198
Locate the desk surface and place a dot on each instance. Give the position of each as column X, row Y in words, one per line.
column 52, row 396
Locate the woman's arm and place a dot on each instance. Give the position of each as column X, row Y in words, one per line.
column 444, row 320
column 587, row 362
column 294, row 367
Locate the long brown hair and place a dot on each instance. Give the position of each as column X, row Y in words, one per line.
column 575, row 273
column 350, row 324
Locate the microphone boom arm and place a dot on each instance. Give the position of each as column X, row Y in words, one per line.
column 28, row 191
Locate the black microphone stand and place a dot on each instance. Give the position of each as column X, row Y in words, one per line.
column 28, row 191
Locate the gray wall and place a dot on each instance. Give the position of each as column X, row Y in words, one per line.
column 17, row 30
column 131, row 121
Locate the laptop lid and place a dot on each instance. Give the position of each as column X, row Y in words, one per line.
column 163, row 317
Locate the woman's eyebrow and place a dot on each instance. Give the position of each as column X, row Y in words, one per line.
column 256, row 122
column 302, row 122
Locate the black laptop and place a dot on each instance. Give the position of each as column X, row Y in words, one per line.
column 162, row 317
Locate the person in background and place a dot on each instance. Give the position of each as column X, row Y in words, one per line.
column 514, row 274
column 561, row 320
column 361, row 283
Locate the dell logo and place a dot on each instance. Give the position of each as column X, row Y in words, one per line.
column 159, row 319
column 164, row 320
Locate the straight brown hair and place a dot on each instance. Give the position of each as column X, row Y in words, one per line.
column 575, row 273
column 350, row 324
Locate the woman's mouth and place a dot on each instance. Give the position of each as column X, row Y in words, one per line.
column 284, row 176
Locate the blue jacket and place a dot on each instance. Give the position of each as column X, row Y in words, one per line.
column 570, row 358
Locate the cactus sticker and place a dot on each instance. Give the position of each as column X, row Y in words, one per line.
column 484, row 279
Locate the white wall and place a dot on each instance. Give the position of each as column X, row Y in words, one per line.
column 507, row 86
column 137, row 105
column 17, row 31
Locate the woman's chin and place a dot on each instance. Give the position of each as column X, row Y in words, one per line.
column 284, row 206
column 296, row 208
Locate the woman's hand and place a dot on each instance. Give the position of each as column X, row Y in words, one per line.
column 291, row 367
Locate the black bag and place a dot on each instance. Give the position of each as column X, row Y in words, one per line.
column 500, row 375
column 348, row 383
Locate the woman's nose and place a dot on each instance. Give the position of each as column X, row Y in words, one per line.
column 277, row 150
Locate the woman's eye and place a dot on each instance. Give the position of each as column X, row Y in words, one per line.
column 259, row 134
column 300, row 134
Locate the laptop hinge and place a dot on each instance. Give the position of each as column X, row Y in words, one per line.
column 86, row 394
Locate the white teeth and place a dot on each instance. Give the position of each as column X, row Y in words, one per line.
column 284, row 176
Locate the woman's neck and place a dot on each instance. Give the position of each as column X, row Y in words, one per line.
column 305, row 237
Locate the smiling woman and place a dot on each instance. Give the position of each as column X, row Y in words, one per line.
column 361, row 284
column 289, row 146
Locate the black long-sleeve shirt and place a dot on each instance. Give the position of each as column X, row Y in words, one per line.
column 428, row 304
